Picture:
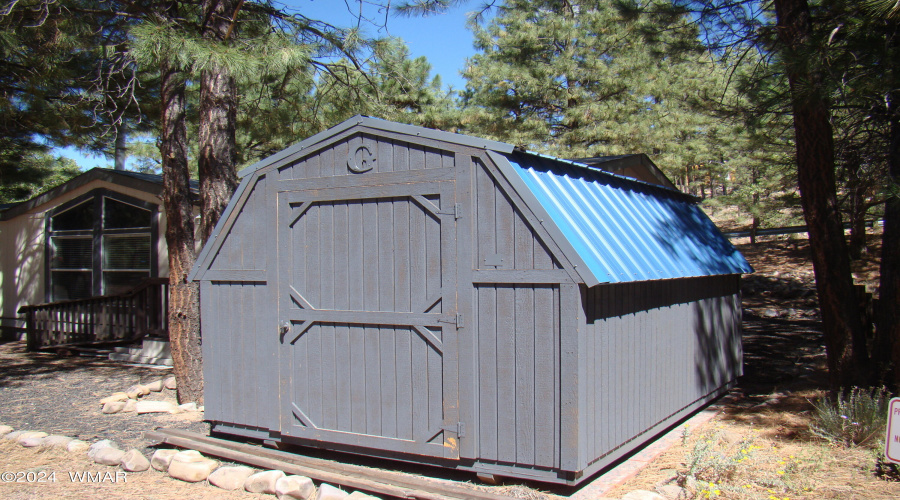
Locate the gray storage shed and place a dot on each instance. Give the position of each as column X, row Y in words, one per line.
column 397, row 291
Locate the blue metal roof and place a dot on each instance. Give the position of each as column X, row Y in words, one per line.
column 623, row 229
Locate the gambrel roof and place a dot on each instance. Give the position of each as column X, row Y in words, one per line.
column 611, row 228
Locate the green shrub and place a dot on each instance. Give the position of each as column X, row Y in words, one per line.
column 855, row 418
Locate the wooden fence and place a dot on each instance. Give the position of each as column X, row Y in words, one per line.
column 110, row 318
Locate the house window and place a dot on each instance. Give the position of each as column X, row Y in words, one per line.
column 103, row 243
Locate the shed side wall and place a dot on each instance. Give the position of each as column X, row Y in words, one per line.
column 653, row 349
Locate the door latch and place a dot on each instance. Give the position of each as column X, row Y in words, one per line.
column 283, row 328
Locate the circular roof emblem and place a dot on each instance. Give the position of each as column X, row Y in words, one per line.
column 361, row 160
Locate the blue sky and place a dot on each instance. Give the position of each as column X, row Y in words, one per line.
column 443, row 39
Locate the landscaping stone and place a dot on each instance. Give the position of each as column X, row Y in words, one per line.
column 329, row 492
column 99, row 445
column 117, row 396
column 155, row 386
column 12, row 436
column 188, row 407
column 295, row 487
column 30, row 435
column 169, row 383
column 77, row 446
column 113, row 407
column 31, row 442
column 130, row 406
column 155, row 407
column 263, row 482
column 643, row 495
column 673, row 492
column 57, row 441
column 358, row 495
column 5, row 429
column 108, row 456
column 162, row 458
column 134, row 461
column 230, row 478
column 191, row 466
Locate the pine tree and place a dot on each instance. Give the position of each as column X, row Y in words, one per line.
column 577, row 79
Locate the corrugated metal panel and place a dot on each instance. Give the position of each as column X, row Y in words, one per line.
column 626, row 230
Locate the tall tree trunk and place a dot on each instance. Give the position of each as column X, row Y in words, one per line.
column 856, row 193
column 845, row 336
column 184, row 308
column 888, row 314
column 121, row 153
column 218, row 117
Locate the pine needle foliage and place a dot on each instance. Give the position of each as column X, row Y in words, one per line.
column 579, row 79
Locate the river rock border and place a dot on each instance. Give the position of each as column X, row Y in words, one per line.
column 129, row 400
column 187, row 465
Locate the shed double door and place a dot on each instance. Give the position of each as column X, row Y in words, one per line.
column 367, row 309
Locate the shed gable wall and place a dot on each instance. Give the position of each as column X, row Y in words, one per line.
column 389, row 155
column 503, row 238
column 652, row 349
column 243, row 247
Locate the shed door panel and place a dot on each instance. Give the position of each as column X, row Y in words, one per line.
column 367, row 300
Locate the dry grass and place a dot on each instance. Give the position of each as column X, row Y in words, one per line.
column 750, row 458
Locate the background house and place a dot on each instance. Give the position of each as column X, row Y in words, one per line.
column 100, row 233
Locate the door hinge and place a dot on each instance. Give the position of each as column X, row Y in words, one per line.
column 459, row 429
column 456, row 213
column 458, row 321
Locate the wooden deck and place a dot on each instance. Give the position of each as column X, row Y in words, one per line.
column 126, row 317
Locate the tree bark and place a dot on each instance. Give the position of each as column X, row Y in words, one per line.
column 218, row 117
column 856, row 193
column 121, row 153
column 184, row 307
column 845, row 336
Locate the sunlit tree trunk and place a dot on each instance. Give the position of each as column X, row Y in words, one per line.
column 184, row 307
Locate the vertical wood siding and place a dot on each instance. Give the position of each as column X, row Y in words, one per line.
column 502, row 231
column 354, row 258
column 370, row 380
column 517, row 351
column 241, row 248
column 391, row 156
column 379, row 254
column 240, row 349
column 653, row 349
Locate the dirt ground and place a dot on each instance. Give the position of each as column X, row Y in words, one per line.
column 759, row 447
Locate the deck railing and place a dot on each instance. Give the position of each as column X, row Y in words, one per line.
column 109, row 318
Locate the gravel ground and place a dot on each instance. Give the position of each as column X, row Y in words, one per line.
column 60, row 395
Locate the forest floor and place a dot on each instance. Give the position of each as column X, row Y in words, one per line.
column 758, row 447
